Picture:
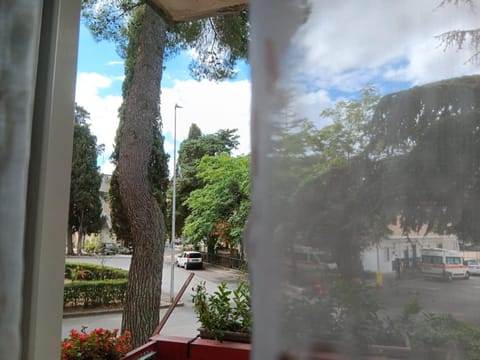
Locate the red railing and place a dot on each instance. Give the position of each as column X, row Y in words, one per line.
column 178, row 348
column 144, row 352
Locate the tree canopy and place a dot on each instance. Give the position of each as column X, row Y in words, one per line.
column 85, row 205
column 191, row 151
column 336, row 184
column 431, row 134
column 219, row 42
column 219, row 209
column 414, row 160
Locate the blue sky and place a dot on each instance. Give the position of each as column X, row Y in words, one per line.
column 345, row 45
column 212, row 106
column 336, row 52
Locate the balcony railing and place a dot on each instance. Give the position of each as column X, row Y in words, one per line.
column 178, row 348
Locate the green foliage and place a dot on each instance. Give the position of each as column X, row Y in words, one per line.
column 94, row 285
column 220, row 42
column 158, row 163
column 349, row 133
column 79, row 273
column 337, row 184
column 107, row 20
column 92, row 272
column 91, row 247
column 85, row 206
column 442, row 334
column 427, row 139
column 94, row 293
column 412, row 157
column 339, row 310
column 217, row 59
column 224, row 310
column 346, row 313
column 120, row 226
column 191, row 151
column 219, row 209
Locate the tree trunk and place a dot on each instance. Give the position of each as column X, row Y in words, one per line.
column 69, row 241
column 210, row 246
column 147, row 224
column 80, row 235
column 348, row 257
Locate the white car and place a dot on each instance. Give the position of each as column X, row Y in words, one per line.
column 190, row 259
column 473, row 267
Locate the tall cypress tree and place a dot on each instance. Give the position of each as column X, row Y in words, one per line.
column 85, row 206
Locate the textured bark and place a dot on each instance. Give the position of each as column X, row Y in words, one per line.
column 69, row 241
column 141, row 313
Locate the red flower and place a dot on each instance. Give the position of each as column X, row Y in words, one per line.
column 97, row 344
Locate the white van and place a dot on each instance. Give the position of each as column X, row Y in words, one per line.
column 308, row 257
column 443, row 263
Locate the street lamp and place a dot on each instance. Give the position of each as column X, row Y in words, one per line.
column 174, row 194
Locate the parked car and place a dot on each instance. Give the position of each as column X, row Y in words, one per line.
column 473, row 267
column 126, row 250
column 190, row 259
column 108, row 249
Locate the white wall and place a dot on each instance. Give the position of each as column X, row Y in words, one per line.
column 394, row 247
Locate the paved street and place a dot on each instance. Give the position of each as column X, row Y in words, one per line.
column 461, row 298
column 182, row 322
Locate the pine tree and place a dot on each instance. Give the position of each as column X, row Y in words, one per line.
column 220, row 41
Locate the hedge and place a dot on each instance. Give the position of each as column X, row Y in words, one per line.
column 95, row 293
column 86, row 271
column 94, row 285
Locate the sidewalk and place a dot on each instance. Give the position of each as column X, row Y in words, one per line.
column 81, row 311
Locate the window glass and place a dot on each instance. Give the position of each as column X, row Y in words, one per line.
column 454, row 260
column 366, row 135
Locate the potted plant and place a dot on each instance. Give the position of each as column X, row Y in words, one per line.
column 225, row 314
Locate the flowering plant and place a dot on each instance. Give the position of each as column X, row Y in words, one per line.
column 99, row 344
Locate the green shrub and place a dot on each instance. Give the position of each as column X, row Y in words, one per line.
column 86, row 271
column 347, row 312
column 95, row 293
column 94, row 285
column 91, row 246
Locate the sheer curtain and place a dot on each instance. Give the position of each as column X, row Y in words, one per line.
column 365, row 133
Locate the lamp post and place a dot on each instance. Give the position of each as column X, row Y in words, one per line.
column 174, row 193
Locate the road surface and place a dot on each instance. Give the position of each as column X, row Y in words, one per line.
column 460, row 298
column 183, row 321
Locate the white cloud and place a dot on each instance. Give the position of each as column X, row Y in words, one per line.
column 115, row 62
column 103, row 109
column 311, row 104
column 349, row 43
column 210, row 105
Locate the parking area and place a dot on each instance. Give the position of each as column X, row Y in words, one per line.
column 460, row 298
